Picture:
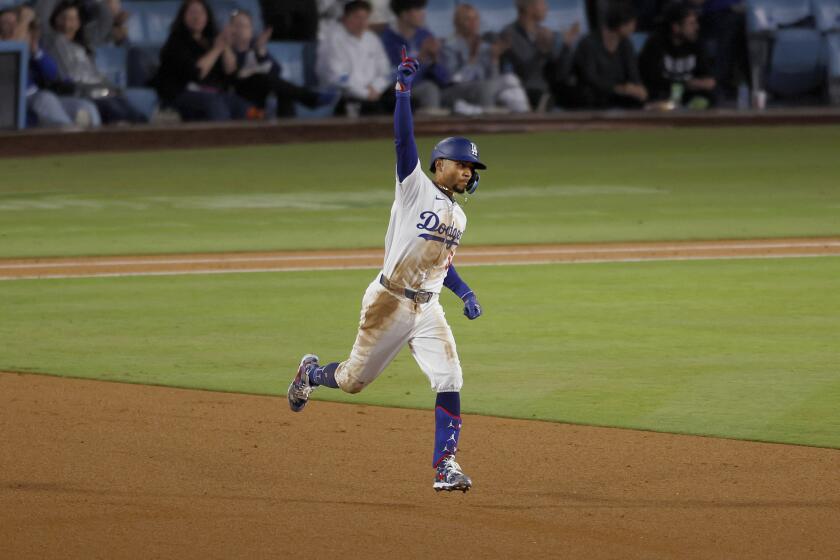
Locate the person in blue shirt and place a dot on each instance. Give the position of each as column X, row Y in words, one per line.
column 43, row 106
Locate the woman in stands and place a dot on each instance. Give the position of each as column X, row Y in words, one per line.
column 75, row 62
column 197, row 67
column 258, row 74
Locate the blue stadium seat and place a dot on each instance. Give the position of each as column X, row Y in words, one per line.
column 297, row 62
column 797, row 62
column 638, row 40
column 111, row 62
column 833, row 53
column 149, row 21
column 290, row 56
column 223, row 9
column 253, row 8
column 562, row 14
column 144, row 100
column 495, row 14
column 827, row 14
column 767, row 16
column 439, row 14
column 833, row 48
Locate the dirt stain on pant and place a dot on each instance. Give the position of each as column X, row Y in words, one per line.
column 376, row 319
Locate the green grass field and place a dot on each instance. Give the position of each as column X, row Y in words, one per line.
column 734, row 348
column 744, row 349
column 540, row 188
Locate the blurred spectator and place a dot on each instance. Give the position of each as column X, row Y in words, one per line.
column 353, row 60
column 11, row 26
column 724, row 33
column 537, row 52
column 96, row 19
column 475, row 61
column 291, row 20
column 331, row 12
column 258, row 74
column 673, row 64
column 44, row 106
column 75, row 62
column 409, row 31
column 119, row 27
column 605, row 63
column 197, row 67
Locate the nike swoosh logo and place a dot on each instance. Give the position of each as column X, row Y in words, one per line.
column 439, row 198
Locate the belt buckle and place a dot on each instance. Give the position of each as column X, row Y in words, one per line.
column 422, row 297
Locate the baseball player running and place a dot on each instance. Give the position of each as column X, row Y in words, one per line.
column 401, row 305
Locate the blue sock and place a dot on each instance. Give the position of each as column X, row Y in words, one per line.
column 447, row 425
column 324, row 375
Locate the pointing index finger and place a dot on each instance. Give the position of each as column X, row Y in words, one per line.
column 404, row 57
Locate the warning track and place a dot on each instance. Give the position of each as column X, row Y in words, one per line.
column 218, row 263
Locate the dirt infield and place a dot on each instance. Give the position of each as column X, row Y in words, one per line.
column 106, row 470
column 372, row 258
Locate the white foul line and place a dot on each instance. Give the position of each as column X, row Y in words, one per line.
column 379, row 254
column 498, row 263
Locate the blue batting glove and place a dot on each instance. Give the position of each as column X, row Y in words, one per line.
column 406, row 72
column 471, row 307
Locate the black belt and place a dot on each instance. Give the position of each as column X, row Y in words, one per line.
column 416, row 297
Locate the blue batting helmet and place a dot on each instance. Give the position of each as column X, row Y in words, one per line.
column 458, row 148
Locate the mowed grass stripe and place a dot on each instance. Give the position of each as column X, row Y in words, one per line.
column 592, row 186
column 743, row 349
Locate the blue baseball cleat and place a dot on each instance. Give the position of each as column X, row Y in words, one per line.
column 449, row 476
column 300, row 389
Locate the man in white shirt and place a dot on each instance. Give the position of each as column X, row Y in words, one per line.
column 352, row 59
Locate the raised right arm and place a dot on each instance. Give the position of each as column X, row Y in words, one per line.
column 404, row 136
column 403, row 121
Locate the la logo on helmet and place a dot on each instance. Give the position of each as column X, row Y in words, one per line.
column 474, row 149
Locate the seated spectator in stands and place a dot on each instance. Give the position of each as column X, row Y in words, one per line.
column 291, row 20
column 197, row 67
column 9, row 25
column 724, row 32
column 409, row 31
column 605, row 63
column 97, row 19
column 119, row 27
column 331, row 12
column 471, row 59
column 258, row 74
column 75, row 62
column 673, row 64
column 537, row 52
column 353, row 60
column 44, row 106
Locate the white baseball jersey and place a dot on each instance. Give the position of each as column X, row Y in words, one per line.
column 424, row 231
column 423, row 234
